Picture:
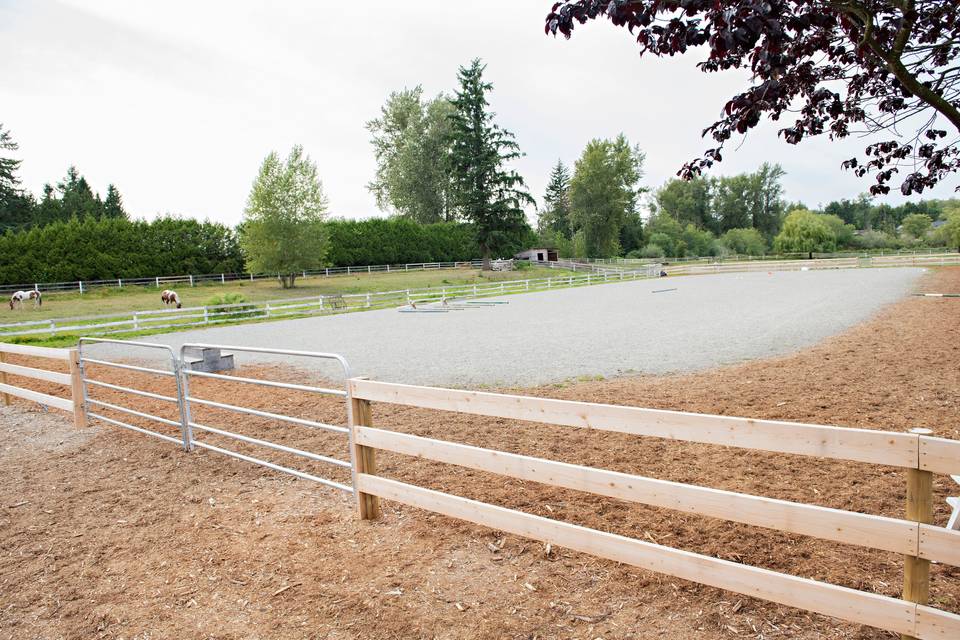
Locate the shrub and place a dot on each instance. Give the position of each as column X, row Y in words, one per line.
column 698, row 242
column 748, row 242
column 651, row 251
column 239, row 308
column 664, row 243
column 874, row 239
column 226, row 298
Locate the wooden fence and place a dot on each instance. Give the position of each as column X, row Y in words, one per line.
column 915, row 537
column 73, row 404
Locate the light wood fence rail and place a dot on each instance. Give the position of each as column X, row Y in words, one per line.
column 73, row 404
column 915, row 537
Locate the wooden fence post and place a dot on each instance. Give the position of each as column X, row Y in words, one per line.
column 364, row 458
column 76, row 389
column 916, row 571
column 3, row 379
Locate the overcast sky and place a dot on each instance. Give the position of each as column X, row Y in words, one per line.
column 177, row 102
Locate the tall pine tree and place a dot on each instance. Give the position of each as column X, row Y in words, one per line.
column 113, row 205
column 555, row 215
column 488, row 194
column 16, row 206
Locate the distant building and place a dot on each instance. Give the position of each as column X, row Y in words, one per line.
column 538, row 255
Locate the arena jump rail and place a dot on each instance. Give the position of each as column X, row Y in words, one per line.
column 73, row 379
column 915, row 537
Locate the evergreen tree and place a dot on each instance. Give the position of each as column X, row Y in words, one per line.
column 113, row 205
column 9, row 183
column 16, row 206
column 77, row 199
column 555, row 215
column 48, row 210
column 488, row 194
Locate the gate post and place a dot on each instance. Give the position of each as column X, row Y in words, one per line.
column 183, row 399
column 76, row 390
column 3, row 379
column 916, row 571
column 364, row 458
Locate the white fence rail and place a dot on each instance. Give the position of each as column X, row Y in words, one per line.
column 935, row 251
column 322, row 304
column 194, row 280
column 325, row 304
column 938, row 260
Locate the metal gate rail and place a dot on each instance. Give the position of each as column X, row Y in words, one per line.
column 173, row 373
column 190, row 425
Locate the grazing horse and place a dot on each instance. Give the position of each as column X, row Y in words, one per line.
column 170, row 297
column 17, row 298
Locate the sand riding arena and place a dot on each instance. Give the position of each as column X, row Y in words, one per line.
column 801, row 530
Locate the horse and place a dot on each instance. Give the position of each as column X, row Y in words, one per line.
column 170, row 297
column 18, row 297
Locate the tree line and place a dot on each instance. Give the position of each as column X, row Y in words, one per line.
column 444, row 172
column 72, row 197
column 101, row 249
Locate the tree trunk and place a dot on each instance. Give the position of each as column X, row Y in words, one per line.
column 485, row 266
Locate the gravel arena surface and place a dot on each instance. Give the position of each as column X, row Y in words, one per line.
column 606, row 330
column 105, row 533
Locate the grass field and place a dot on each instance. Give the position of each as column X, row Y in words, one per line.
column 114, row 300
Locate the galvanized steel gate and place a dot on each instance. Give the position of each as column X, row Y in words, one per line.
column 183, row 400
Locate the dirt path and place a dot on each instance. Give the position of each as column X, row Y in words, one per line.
column 107, row 534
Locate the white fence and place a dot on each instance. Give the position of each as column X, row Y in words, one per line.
column 324, row 304
column 311, row 305
column 194, row 280
column 887, row 253
column 916, row 260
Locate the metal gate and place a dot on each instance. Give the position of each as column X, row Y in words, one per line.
column 190, row 431
column 90, row 403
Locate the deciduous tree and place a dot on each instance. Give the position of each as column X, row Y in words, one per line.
column 411, row 142
column 805, row 232
column 282, row 230
column 603, row 192
column 744, row 242
column 917, row 224
column 688, row 201
column 951, row 230
column 843, row 66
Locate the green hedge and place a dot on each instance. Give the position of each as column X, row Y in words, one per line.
column 117, row 248
column 398, row 241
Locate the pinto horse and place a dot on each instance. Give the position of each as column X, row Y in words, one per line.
column 16, row 300
column 170, row 297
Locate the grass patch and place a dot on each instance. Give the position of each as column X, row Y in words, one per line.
column 111, row 300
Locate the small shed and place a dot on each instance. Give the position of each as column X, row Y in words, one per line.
column 538, row 255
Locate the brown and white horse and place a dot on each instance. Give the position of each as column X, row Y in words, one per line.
column 170, row 297
column 17, row 299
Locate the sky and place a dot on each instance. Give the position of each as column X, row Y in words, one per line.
column 177, row 102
